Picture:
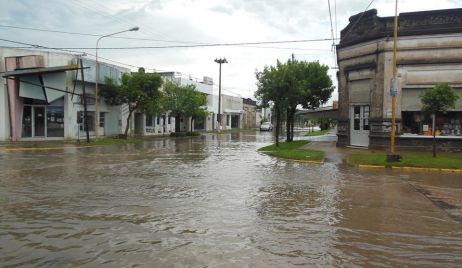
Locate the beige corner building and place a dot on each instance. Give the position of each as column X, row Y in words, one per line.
column 429, row 52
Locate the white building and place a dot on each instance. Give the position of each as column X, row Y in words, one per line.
column 41, row 96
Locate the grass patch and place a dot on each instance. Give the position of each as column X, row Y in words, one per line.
column 317, row 133
column 292, row 150
column 409, row 160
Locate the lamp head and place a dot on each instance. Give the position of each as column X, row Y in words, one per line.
column 136, row 28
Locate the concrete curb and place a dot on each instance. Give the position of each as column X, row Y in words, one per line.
column 44, row 148
column 371, row 167
column 306, row 161
column 411, row 169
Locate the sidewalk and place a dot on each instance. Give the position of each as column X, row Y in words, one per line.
column 448, row 199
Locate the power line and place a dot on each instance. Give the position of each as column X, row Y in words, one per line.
column 95, row 35
column 201, row 45
column 39, row 46
column 148, row 39
column 336, row 24
column 332, row 33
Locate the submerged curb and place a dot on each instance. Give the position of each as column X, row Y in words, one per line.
column 450, row 170
column 411, row 169
column 44, row 148
column 371, row 167
column 306, row 161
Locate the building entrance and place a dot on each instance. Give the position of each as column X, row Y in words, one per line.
column 359, row 125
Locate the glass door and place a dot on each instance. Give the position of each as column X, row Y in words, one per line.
column 359, row 117
column 27, row 122
column 39, row 121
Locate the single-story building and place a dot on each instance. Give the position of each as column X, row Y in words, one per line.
column 429, row 53
column 41, row 96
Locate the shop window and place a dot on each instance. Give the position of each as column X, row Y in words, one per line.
column 55, row 121
column 419, row 123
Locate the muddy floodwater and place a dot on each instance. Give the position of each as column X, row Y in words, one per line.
column 214, row 201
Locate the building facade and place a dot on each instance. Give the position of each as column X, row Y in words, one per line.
column 429, row 53
column 249, row 117
column 232, row 112
column 41, row 96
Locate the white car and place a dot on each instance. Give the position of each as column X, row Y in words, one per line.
column 267, row 126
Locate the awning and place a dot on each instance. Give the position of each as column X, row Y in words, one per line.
column 38, row 71
column 31, row 86
column 38, row 83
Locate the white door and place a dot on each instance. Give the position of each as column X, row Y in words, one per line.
column 359, row 125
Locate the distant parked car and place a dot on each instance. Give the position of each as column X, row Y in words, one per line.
column 267, row 126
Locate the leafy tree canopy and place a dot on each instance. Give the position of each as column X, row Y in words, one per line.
column 140, row 91
column 439, row 99
column 290, row 84
column 185, row 101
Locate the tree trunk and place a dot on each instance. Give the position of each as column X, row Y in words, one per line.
column 292, row 125
column 277, row 123
column 434, row 134
column 177, row 123
column 130, row 111
column 288, row 125
column 191, row 124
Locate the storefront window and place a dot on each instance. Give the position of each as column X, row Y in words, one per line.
column 55, row 121
column 419, row 123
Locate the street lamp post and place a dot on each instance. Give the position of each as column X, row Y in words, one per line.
column 220, row 62
column 97, row 78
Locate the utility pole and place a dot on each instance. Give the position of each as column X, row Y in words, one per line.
column 84, row 96
column 220, row 62
column 392, row 157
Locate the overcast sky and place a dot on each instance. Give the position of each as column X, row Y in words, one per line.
column 197, row 21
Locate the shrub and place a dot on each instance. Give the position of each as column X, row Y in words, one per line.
column 193, row 134
column 178, row 134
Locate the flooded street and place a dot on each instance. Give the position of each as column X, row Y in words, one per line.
column 214, row 201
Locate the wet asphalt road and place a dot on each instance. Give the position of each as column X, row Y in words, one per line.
column 214, row 201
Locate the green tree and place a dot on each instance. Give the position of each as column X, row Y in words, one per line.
column 140, row 91
column 309, row 85
column 271, row 90
column 438, row 100
column 184, row 101
column 291, row 84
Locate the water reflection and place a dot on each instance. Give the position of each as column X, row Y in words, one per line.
column 214, row 201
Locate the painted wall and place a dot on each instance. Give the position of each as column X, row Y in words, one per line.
column 115, row 115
